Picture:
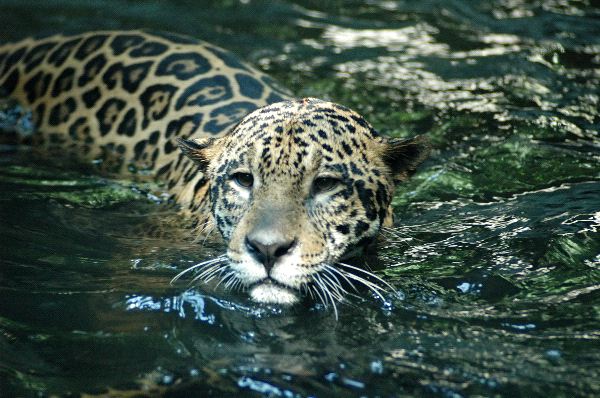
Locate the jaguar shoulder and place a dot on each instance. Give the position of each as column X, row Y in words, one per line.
column 293, row 186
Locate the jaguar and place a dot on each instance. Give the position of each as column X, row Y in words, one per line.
column 294, row 186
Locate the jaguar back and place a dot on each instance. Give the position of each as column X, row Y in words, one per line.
column 122, row 98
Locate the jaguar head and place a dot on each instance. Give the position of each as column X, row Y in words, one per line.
column 294, row 188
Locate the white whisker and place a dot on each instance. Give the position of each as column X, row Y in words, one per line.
column 317, row 288
column 231, row 282
column 326, row 292
column 370, row 285
column 209, row 270
column 202, row 231
column 337, row 290
column 306, row 286
column 224, row 278
column 333, row 271
column 208, row 274
column 237, row 285
column 199, row 265
column 372, row 275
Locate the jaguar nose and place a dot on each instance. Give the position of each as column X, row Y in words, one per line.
column 268, row 248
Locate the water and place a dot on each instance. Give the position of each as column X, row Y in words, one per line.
column 496, row 256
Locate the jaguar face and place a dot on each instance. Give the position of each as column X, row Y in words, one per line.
column 294, row 188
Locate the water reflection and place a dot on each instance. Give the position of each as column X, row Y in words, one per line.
column 411, row 40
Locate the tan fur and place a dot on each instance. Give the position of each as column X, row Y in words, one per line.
column 321, row 178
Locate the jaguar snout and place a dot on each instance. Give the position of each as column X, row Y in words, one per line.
column 267, row 247
column 272, row 248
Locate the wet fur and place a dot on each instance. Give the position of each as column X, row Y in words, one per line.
column 131, row 99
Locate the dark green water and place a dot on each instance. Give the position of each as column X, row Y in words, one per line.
column 496, row 254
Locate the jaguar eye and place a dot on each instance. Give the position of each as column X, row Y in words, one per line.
column 324, row 184
column 244, row 180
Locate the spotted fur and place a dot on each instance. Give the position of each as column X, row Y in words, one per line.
column 127, row 96
column 293, row 187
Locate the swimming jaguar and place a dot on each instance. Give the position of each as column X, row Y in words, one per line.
column 294, row 186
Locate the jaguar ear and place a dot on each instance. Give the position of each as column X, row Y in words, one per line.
column 403, row 156
column 198, row 150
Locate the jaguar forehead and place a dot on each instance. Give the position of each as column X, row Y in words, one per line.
column 271, row 151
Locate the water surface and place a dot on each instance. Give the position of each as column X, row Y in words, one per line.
column 495, row 256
